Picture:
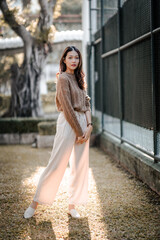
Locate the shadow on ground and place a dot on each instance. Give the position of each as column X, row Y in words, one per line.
column 130, row 209
column 40, row 229
column 119, row 206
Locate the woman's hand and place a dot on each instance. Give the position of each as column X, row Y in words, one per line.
column 88, row 133
column 85, row 136
column 80, row 139
column 57, row 75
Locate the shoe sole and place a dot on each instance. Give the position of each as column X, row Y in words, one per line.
column 72, row 216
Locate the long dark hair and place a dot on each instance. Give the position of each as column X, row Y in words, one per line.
column 79, row 74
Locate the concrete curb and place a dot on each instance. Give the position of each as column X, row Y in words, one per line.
column 135, row 162
column 16, row 138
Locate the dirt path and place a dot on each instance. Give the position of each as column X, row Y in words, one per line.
column 120, row 207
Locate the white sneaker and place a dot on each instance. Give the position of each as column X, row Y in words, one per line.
column 29, row 212
column 74, row 213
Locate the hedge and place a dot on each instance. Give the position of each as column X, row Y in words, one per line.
column 30, row 125
column 21, row 125
column 47, row 128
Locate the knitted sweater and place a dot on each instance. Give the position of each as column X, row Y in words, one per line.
column 70, row 98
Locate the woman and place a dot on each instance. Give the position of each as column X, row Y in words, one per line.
column 71, row 143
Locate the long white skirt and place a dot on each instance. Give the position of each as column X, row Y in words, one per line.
column 66, row 150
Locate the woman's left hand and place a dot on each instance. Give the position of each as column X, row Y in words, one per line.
column 87, row 133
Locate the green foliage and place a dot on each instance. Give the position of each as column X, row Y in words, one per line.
column 51, row 86
column 30, row 125
column 20, row 125
column 28, row 18
column 5, row 66
column 47, row 128
column 95, row 121
column 4, row 102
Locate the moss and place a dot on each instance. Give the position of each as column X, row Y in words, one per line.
column 47, row 128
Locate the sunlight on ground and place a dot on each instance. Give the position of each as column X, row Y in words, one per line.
column 119, row 206
column 34, row 178
column 60, row 203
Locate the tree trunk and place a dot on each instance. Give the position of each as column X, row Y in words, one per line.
column 25, row 85
column 25, row 80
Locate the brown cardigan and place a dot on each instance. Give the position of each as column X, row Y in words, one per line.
column 70, row 98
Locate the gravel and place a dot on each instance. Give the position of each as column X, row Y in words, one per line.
column 119, row 207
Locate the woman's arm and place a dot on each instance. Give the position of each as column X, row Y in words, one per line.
column 88, row 116
column 89, row 128
column 88, row 119
column 64, row 98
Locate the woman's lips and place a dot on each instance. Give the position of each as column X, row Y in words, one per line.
column 73, row 65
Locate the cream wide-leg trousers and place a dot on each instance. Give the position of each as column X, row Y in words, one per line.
column 66, row 150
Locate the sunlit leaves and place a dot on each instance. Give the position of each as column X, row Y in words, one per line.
column 24, row 15
column 33, row 26
column 57, row 10
column 51, row 33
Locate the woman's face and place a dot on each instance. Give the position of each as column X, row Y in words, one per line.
column 72, row 60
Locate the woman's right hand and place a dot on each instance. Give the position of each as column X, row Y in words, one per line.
column 57, row 75
column 85, row 136
column 80, row 139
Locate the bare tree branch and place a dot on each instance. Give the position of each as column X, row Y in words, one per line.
column 46, row 13
column 44, row 7
column 10, row 19
column 52, row 3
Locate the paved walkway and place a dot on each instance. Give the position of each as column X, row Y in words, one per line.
column 120, row 207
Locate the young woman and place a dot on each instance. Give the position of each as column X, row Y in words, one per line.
column 71, row 142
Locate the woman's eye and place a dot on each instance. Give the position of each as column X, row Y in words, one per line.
column 75, row 58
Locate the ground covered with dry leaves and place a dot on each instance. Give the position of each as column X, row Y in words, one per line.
column 119, row 207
